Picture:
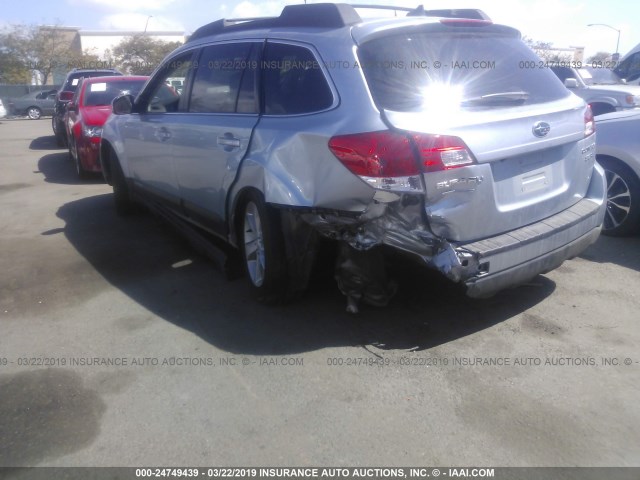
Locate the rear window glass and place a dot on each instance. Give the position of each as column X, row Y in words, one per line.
column 465, row 70
column 103, row 93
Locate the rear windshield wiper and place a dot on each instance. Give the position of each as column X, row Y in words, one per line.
column 497, row 98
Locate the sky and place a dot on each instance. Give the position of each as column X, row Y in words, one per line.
column 561, row 22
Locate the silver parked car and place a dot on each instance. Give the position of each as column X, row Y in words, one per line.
column 34, row 105
column 601, row 88
column 618, row 151
column 418, row 133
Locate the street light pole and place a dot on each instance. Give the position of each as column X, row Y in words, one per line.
column 612, row 28
column 147, row 23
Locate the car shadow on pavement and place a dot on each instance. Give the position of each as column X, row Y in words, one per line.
column 623, row 251
column 146, row 260
column 59, row 168
column 45, row 143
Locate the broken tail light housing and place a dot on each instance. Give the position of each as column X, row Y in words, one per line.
column 394, row 161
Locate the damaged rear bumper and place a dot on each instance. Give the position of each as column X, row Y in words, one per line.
column 514, row 257
column 485, row 286
column 484, row 266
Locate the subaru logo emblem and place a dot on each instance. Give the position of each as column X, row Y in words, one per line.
column 541, row 129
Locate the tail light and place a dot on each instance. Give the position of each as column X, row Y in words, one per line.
column 589, row 122
column 394, row 161
column 438, row 152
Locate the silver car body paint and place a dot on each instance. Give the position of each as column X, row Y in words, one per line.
column 619, row 137
column 526, row 205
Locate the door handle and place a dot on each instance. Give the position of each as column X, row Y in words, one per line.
column 162, row 134
column 229, row 141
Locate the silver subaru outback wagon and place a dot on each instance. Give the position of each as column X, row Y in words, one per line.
column 422, row 134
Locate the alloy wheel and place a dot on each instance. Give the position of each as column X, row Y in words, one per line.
column 254, row 244
column 618, row 200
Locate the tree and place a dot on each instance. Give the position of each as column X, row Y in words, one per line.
column 141, row 54
column 599, row 57
column 546, row 51
column 12, row 70
column 41, row 49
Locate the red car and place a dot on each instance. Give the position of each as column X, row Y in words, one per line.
column 86, row 114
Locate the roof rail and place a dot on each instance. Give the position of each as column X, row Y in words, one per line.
column 419, row 11
column 316, row 15
column 324, row 15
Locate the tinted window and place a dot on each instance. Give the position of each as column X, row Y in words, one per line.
column 164, row 98
column 629, row 69
column 217, row 81
column 417, row 71
column 294, row 82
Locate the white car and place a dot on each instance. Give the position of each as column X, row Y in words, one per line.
column 618, row 151
column 3, row 111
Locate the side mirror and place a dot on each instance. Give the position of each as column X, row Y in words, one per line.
column 571, row 83
column 66, row 96
column 72, row 107
column 122, row 104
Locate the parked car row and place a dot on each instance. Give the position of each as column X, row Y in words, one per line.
column 65, row 94
column 86, row 113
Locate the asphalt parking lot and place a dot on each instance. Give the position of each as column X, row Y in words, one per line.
column 121, row 346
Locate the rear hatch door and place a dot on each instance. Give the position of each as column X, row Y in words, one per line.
column 477, row 85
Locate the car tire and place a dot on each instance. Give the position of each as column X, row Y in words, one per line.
column 623, row 199
column 58, row 131
column 75, row 158
column 34, row 113
column 121, row 195
column 263, row 251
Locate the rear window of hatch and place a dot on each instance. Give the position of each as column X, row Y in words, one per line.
column 415, row 71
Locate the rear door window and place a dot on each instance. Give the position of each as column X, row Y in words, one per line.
column 294, row 82
column 414, row 71
column 224, row 71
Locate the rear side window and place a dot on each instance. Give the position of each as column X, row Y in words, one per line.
column 293, row 81
column 223, row 71
column 417, row 71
